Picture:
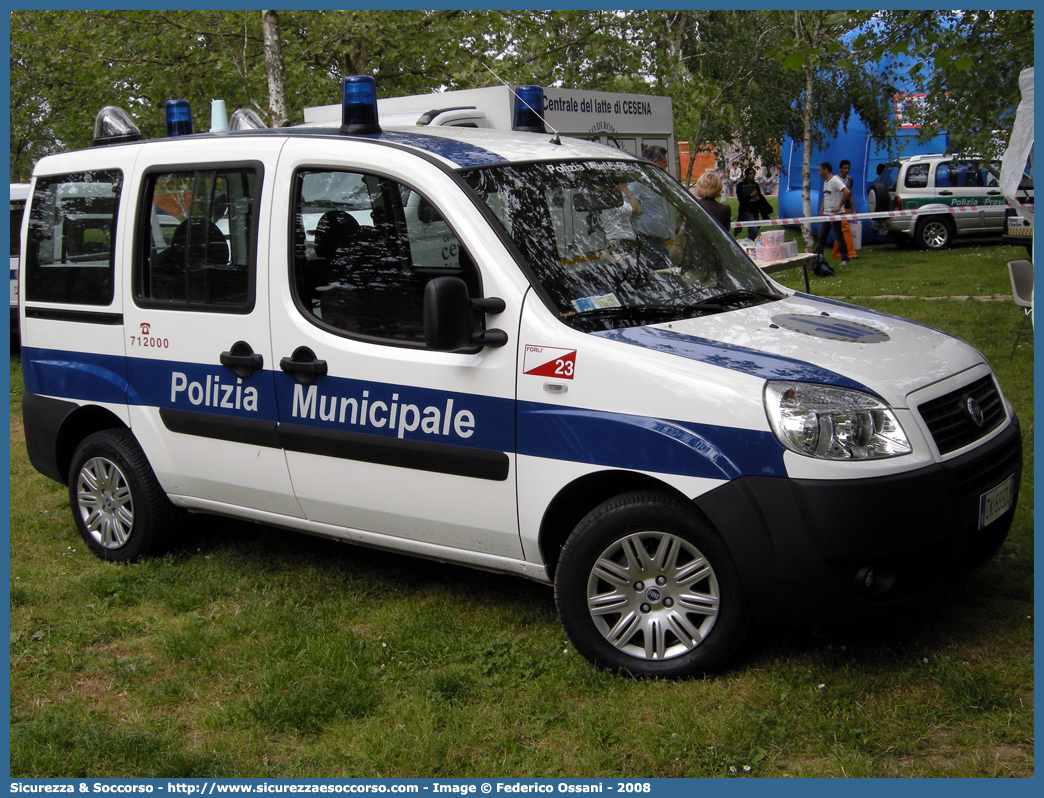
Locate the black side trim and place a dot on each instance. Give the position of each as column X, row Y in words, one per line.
column 421, row 455
column 226, row 428
column 42, row 419
column 82, row 316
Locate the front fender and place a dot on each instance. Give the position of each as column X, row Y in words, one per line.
column 640, row 443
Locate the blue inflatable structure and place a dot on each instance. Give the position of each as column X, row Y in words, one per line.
column 855, row 144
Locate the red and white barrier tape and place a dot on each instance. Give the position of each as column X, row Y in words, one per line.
column 851, row 217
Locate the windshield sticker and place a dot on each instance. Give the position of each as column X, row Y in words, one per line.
column 583, row 303
column 549, row 361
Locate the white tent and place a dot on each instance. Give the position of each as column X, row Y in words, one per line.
column 1020, row 152
column 1020, row 146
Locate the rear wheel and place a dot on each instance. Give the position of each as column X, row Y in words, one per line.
column 935, row 232
column 646, row 586
column 118, row 505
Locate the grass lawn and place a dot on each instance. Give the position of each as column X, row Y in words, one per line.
column 250, row 652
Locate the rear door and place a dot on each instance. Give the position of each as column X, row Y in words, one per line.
column 198, row 344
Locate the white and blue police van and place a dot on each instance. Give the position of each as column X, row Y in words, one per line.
column 472, row 346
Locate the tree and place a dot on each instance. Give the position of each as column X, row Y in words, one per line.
column 968, row 63
column 274, row 70
column 822, row 51
column 60, row 60
column 714, row 64
column 736, row 95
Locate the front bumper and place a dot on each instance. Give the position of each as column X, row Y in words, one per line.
column 806, row 549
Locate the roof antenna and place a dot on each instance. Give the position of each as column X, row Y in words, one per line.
column 557, row 138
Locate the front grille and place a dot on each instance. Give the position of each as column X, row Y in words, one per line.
column 950, row 422
column 978, row 475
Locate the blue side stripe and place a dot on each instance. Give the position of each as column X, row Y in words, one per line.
column 618, row 440
column 613, row 440
column 85, row 376
column 729, row 356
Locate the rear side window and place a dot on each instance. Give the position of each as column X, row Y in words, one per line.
column 16, row 226
column 917, row 175
column 198, row 241
column 72, row 238
column 890, row 176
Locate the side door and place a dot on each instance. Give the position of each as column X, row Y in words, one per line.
column 198, row 344
column 400, row 445
column 962, row 184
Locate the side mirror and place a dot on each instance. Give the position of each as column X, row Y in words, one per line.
column 426, row 213
column 448, row 318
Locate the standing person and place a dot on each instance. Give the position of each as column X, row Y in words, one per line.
column 843, row 170
column 653, row 225
column 708, row 191
column 752, row 203
column 735, row 174
column 832, row 199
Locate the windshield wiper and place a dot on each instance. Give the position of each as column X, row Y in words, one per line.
column 646, row 311
column 741, row 298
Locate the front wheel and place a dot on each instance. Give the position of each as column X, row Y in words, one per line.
column 118, row 505
column 644, row 585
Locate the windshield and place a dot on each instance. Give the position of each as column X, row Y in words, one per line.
column 618, row 244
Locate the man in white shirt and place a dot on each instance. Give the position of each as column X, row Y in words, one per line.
column 833, row 198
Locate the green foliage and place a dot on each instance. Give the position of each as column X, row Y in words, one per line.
column 968, row 63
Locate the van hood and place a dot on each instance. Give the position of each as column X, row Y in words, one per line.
column 807, row 339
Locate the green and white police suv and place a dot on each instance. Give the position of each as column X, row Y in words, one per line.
column 470, row 345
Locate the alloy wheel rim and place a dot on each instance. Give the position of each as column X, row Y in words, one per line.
column 653, row 595
column 105, row 503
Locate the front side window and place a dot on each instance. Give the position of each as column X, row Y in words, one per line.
column 72, row 238
column 618, row 244
column 364, row 247
column 199, row 240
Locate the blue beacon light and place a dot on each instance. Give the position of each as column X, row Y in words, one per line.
column 178, row 118
column 529, row 109
column 359, row 106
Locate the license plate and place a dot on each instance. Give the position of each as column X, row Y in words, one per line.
column 994, row 503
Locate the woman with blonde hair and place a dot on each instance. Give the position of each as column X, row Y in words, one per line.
column 708, row 190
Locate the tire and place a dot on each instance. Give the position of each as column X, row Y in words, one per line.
column 934, row 232
column 118, row 506
column 627, row 584
column 877, row 197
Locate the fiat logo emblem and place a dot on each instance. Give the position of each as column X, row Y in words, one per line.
column 974, row 411
column 653, row 595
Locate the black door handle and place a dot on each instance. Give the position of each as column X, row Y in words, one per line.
column 242, row 359
column 305, row 367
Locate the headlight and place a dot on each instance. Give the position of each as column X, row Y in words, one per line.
column 833, row 423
